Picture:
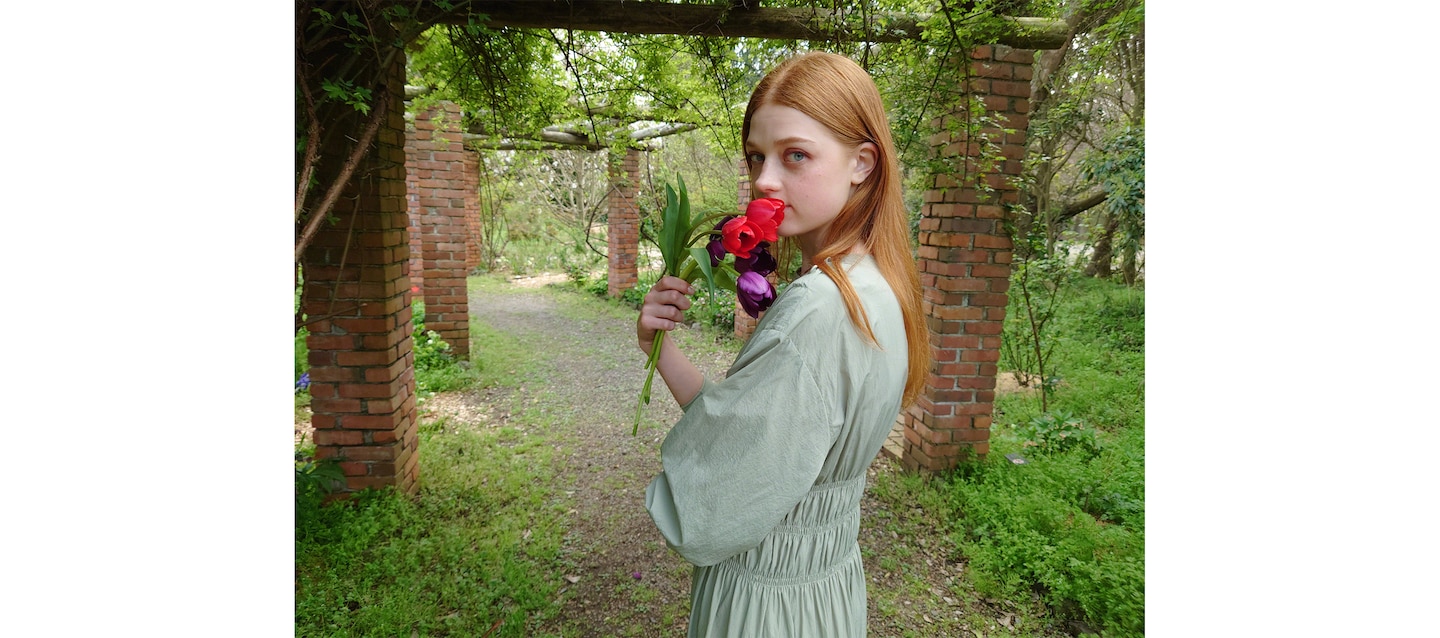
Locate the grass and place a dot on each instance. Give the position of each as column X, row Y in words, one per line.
column 1068, row 527
column 478, row 546
column 476, row 551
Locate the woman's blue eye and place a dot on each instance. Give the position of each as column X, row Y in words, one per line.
column 796, row 156
column 755, row 158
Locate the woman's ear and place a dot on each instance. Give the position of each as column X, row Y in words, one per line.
column 865, row 157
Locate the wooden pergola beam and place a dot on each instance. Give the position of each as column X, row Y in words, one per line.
column 562, row 140
column 733, row 20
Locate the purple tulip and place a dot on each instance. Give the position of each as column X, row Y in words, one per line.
column 760, row 261
column 755, row 293
column 717, row 252
column 715, row 248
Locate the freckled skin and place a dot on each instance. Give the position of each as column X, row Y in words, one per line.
column 796, row 159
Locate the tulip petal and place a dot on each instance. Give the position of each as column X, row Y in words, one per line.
column 754, row 292
column 739, row 237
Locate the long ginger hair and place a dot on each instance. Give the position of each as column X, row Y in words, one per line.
column 842, row 97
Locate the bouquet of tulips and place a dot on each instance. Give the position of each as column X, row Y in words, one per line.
column 747, row 237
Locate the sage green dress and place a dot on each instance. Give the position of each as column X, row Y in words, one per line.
column 764, row 472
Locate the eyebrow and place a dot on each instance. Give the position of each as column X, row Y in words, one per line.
column 785, row 141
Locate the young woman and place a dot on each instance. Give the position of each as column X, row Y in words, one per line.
column 764, row 472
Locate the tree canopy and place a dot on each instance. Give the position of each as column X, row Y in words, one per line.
column 545, row 88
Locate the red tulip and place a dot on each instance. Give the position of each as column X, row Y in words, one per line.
column 739, row 236
column 766, row 214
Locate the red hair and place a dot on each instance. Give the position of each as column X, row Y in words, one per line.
column 841, row 96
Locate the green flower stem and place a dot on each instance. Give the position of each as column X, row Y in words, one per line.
column 688, row 272
column 650, row 366
column 703, row 227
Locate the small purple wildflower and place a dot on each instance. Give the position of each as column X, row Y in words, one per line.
column 303, row 383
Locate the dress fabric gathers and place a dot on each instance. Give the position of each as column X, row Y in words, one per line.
column 764, row 473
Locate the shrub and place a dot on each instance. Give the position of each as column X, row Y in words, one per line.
column 436, row 369
column 1054, row 432
column 717, row 312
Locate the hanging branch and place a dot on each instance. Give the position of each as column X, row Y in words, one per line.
column 382, row 107
column 312, row 144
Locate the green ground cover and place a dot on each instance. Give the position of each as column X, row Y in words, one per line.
column 1068, row 526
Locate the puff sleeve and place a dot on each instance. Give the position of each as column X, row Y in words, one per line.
column 746, row 451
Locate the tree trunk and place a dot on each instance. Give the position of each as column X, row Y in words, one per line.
column 1104, row 249
column 1127, row 264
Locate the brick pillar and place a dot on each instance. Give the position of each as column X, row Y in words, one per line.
column 744, row 325
column 361, row 367
column 623, row 233
column 965, row 266
column 470, row 182
column 416, row 265
column 441, row 196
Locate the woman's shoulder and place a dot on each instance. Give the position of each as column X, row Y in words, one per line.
column 813, row 300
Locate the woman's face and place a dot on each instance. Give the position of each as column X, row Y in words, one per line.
column 796, row 159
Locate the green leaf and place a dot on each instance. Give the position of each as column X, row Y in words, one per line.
column 702, row 259
column 668, row 231
column 725, row 277
column 684, row 203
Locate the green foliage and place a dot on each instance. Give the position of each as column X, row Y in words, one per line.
column 346, row 92
column 477, row 549
column 1118, row 166
column 1112, row 317
column 302, row 352
column 1058, row 432
column 1069, row 524
column 635, row 297
column 1037, row 286
column 1103, row 384
column 314, row 480
column 587, row 280
column 1027, row 527
column 436, row 369
column 716, row 311
column 502, row 78
column 533, row 256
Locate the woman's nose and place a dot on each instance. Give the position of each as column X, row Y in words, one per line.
column 766, row 180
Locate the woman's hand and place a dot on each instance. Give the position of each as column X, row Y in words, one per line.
column 663, row 309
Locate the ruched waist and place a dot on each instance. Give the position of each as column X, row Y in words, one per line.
column 814, row 541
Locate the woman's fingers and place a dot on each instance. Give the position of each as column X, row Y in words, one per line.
column 676, row 284
column 661, row 308
column 664, row 306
